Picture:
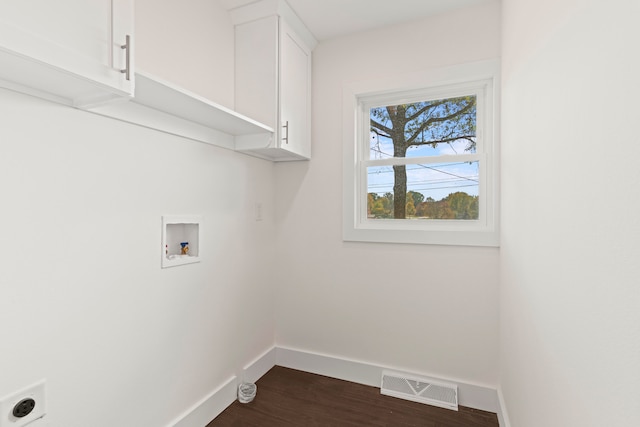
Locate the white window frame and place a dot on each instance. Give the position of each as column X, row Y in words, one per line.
column 478, row 78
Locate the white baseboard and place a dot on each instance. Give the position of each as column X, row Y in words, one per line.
column 210, row 407
column 503, row 416
column 470, row 395
column 357, row 372
column 259, row 366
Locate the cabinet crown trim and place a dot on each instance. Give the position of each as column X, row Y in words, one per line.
column 264, row 8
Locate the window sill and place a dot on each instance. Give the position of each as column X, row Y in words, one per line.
column 423, row 237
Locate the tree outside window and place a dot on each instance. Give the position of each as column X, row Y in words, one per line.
column 424, row 180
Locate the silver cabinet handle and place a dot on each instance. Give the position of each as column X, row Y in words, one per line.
column 127, row 47
column 286, row 134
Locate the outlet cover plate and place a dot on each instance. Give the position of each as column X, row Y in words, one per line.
column 36, row 392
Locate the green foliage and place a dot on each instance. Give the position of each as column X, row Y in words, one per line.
column 417, row 197
column 464, row 206
column 458, row 205
column 410, row 208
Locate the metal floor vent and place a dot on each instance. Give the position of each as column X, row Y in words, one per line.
column 417, row 389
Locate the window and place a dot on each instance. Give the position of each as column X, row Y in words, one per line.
column 421, row 158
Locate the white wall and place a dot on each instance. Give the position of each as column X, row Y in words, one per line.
column 189, row 43
column 426, row 309
column 570, row 317
column 83, row 300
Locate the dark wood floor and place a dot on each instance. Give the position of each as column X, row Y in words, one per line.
column 287, row 397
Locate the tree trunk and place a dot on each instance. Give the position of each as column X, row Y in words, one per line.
column 400, row 192
column 397, row 116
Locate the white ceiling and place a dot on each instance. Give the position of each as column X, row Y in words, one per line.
column 332, row 18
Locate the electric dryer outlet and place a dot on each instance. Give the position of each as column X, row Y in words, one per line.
column 22, row 407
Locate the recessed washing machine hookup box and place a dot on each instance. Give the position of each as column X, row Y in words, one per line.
column 181, row 240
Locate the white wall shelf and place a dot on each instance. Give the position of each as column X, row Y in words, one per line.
column 44, row 62
column 163, row 106
column 179, row 231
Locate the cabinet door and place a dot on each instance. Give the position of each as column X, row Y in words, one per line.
column 256, row 68
column 295, row 93
column 59, row 46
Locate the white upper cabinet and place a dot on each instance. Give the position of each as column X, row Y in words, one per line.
column 273, row 78
column 295, row 93
column 76, row 52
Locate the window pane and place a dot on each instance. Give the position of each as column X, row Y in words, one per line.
column 433, row 191
column 426, row 128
